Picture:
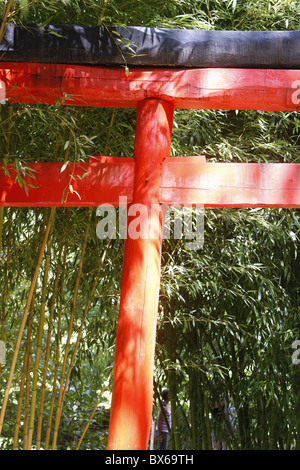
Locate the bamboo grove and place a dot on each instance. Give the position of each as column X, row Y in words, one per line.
column 228, row 313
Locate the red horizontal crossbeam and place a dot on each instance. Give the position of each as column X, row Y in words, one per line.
column 213, row 88
column 230, row 184
column 185, row 181
column 104, row 179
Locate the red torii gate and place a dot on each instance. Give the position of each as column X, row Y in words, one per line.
column 151, row 178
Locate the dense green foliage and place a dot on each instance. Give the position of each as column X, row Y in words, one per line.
column 228, row 313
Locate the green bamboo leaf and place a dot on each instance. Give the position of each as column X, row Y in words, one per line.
column 64, row 166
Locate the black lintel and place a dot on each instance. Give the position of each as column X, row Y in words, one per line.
column 150, row 47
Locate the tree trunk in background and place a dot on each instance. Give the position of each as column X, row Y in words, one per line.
column 297, row 412
column 193, row 407
column 297, row 400
column 172, row 384
column 261, row 422
column 199, row 409
column 295, row 297
column 204, row 414
column 243, row 420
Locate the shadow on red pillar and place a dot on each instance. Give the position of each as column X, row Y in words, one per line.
column 131, row 408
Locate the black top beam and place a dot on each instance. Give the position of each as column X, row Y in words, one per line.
column 150, row 47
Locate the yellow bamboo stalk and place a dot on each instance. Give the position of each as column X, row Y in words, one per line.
column 28, row 388
column 25, row 377
column 1, row 224
column 112, row 119
column 24, row 318
column 47, row 354
column 20, row 401
column 9, row 233
column 6, row 13
column 57, row 352
column 68, row 342
column 39, row 343
column 94, row 410
column 85, row 314
column 28, row 376
column 4, row 294
column 100, row 19
column 19, row 408
column 29, row 351
column 39, row 346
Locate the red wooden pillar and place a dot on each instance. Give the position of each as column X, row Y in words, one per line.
column 131, row 409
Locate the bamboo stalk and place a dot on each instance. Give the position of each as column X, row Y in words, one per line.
column 71, row 133
column 112, row 119
column 1, row 224
column 94, row 411
column 6, row 14
column 85, row 314
column 61, row 390
column 57, row 351
column 1, row 229
column 297, row 414
column 207, row 422
column 24, row 319
column 25, row 379
column 29, row 350
column 39, row 342
column 19, row 408
column 171, row 377
column 28, row 362
column 100, row 19
column 4, row 295
column 20, row 401
column 48, row 343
